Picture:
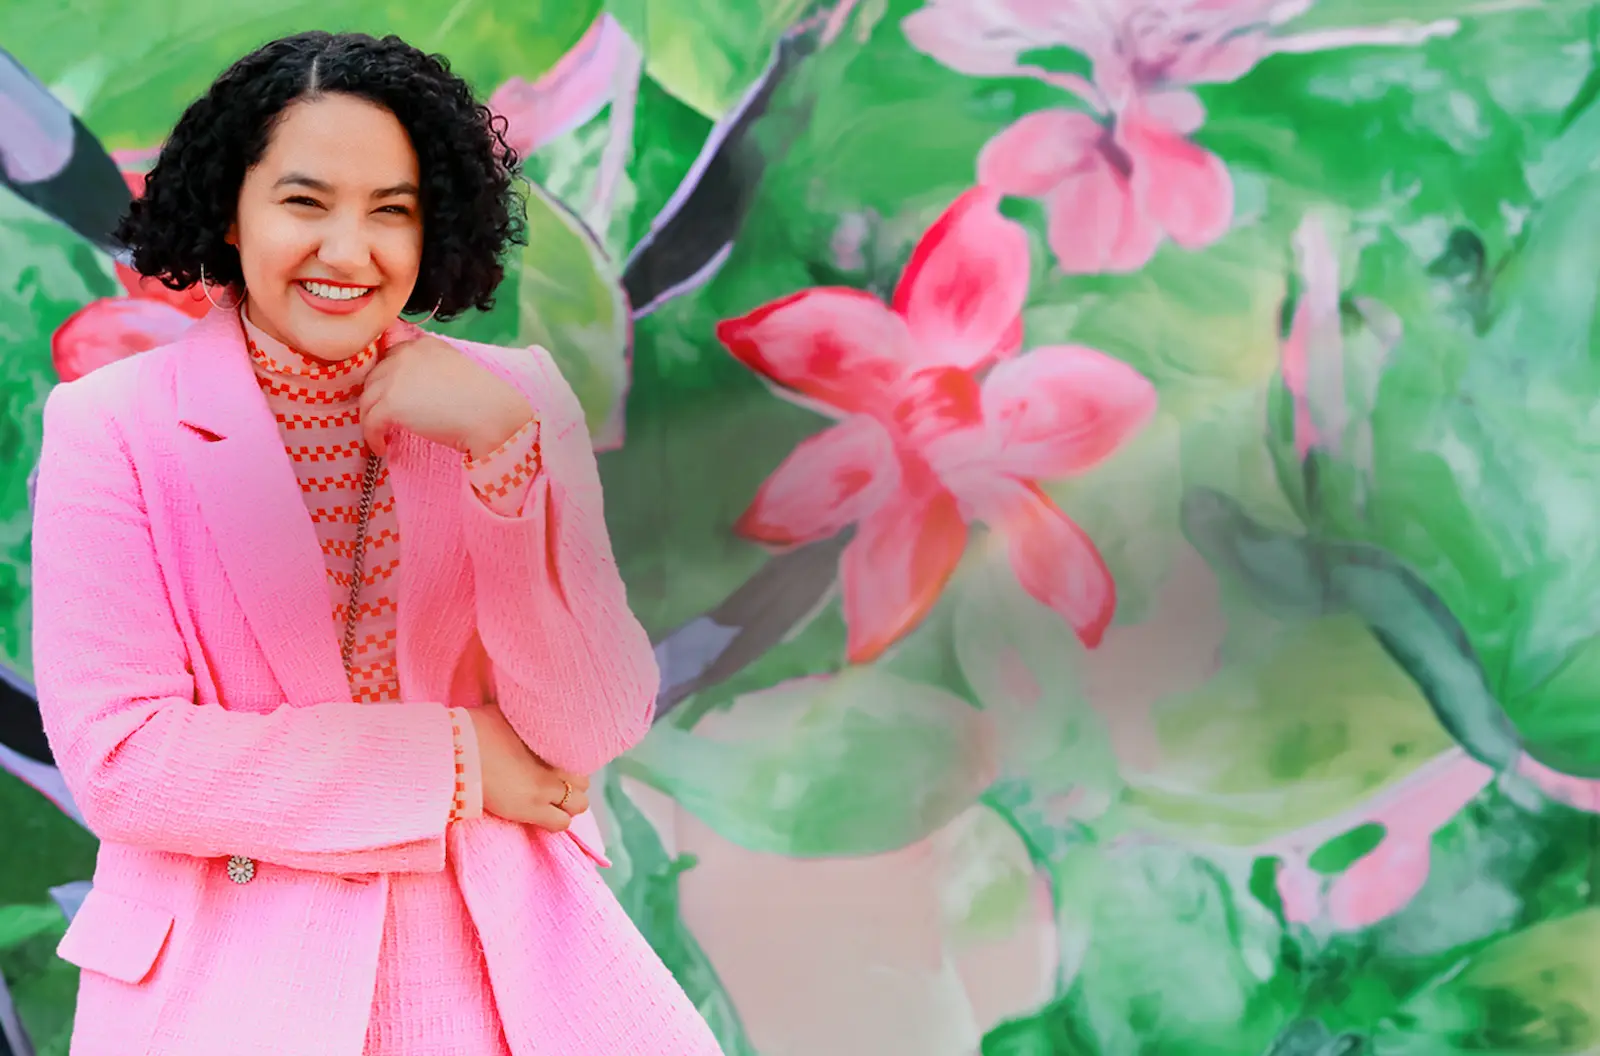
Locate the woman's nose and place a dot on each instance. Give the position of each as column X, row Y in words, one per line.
column 344, row 246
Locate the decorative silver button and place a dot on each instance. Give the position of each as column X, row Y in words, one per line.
column 241, row 870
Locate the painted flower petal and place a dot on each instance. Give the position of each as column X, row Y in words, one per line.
column 1185, row 188
column 896, row 567
column 1223, row 58
column 1033, row 154
column 1060, row 410
column 935, row 404
column 191, row 302
column 979, row 38
column 1096, row 225
column 1053, row 558
column 110, row 329
column 836, row 349
column 565, row 96
column 829, row 481
column 964, row 287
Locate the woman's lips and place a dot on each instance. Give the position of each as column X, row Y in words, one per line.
column 333, row 306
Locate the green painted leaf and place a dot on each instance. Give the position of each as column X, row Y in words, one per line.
column 568, row 168
column 20, row 923
column 43, row 987
column 1345, row 849
column 1317, row 723
column 1303, row 576
column 706, row 52
column 1052, row 1031
column 1177, row 961
column 791, row 768
column 571, row 303
column 46, row 274
column 1445, row 119
column 986, row 878
column 135, row 68
column 645, row 880
column 1129, row 506
column 1536, row 991
column 1021, row 661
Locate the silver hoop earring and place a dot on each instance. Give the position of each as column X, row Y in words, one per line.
column 205, row 289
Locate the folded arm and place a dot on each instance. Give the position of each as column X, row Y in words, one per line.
column 573, row 669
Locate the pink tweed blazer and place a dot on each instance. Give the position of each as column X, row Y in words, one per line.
column 193, row 694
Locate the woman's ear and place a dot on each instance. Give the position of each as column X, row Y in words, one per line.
column 232, row 237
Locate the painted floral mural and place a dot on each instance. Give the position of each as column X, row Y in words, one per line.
column 1111, row 483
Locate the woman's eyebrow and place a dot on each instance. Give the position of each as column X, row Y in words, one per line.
column 311, row 182
column 303, row 180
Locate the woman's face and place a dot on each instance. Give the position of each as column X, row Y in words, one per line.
column 329, row 227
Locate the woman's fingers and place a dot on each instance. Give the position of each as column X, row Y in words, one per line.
column 576, row 803
column 374, row 414
column 549, row 818
column 399, row 333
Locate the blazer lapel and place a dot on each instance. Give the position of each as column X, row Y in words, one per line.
column 251, row 502
column 435, row 603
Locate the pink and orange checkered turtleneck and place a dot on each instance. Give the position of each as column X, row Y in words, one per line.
column 432, row 994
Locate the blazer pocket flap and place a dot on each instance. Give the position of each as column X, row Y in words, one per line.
column 116, row 936
column 585, row 832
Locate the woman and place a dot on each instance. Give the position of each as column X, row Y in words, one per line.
column 327, row 624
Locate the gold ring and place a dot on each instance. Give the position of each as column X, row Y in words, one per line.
column 565, row 795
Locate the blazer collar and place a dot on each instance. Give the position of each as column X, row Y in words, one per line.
column 251, row 501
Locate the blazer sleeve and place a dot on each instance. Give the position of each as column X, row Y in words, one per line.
column 337, row 787
column 573, row 669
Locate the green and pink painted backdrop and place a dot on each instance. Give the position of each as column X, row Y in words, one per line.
column 1114, row 484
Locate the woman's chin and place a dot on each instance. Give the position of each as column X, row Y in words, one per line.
column 342, row 340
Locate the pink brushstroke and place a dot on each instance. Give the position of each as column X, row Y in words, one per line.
column 1315, row 340
column 568, row 94
column 1385, row 880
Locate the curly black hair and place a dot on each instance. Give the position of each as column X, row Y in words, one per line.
column 472, row 207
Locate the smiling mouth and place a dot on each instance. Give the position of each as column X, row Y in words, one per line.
column 329, row 291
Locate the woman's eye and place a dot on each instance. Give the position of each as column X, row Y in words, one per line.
column 300, row 199
column 397, row 210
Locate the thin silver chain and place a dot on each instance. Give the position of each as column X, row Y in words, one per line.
column 369, row 487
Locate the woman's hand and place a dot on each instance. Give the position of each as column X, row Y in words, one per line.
column 517, row 785
column 428, row 387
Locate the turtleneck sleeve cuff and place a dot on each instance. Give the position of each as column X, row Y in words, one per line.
column 503, row 477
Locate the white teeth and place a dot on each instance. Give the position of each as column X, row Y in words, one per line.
column 337, row 293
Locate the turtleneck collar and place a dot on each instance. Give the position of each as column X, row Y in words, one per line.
column 274, row 358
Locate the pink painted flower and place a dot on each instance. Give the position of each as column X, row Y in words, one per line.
column 1114, row 188
column 191, row 302
column 110, row 329
column 1124, row 177
column 114, row 328
column 1386, row 879
column 568, row 94
column 940, row 423
column 133, row 165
